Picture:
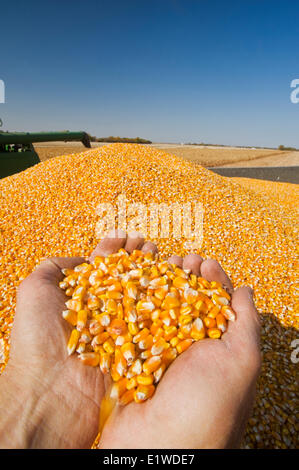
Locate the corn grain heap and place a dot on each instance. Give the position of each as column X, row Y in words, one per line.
column 50, row 210
column 134, row 314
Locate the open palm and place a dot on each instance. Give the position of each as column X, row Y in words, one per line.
column 203, row 400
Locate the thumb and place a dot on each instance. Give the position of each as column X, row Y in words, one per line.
column 245, row 331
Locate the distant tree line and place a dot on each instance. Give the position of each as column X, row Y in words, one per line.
column 128, row 140
column 282, row 147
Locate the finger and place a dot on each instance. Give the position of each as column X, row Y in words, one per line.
column 149, row 247
column 193, row 262
column 115, row 240
column 50, row 268
column 135, row 241
column 177, row 260
column 246, row 328
column 212, row 271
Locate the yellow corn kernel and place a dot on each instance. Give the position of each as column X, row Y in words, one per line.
column 90, row 358
column 118, row 388
column 144, row 379
column 151, row 364
column 141, row 335
column 114, row 374
column 86, row 337
column 82, row 319
column 81, row 347
column 135, row 369
column 120, row 362
column 214, row 311
column 209, row 322
column 214, row 333
column 170, row 332
column 127, row 397
column 75, row 305
column 228, row 313
column 159, row 346
column 101, row 338
column 70, row 316
column 221, row 322
column 159, row 372
column 191, row 295
column 109, row 346
column 146, row 343
column 183, row 345
column 198, row 330
column 117, row 327
column 131, row 290
column 170, row 301
column 220, row 300
column 133, row 328
column 132, row 383
column 180, row 283
column 143, row 392
column 95, row 327
column 174, row 341
column 105, row 362
column 73, row 341
column 185, row 319
column 129, row 353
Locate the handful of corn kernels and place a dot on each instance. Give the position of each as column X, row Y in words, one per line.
column 135, row 313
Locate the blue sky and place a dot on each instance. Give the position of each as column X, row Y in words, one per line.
column 167, row 70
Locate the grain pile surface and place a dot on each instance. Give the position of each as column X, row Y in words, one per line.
column 50, row 210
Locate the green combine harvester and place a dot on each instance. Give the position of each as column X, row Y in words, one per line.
column 17, row 152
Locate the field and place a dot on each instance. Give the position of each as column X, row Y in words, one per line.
column 205, row 156
column 249, row 226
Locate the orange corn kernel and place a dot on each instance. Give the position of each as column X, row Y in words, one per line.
column 127, row 397
column 209, row 322
column 143, row 392
column 70, row 316
column 73, row 341
column 105, row 362
column 198, row 330
column 118, row 388
column 132, row 383
column 183, row 345
column 129, row 353
column 144, row 379
column 221, row 322
column 228, row 313
column 141, row 335
column 109, row 346
column 214, row 333
column 90, row 359
column 151, row 364
column 82, row 319
column 117, row 327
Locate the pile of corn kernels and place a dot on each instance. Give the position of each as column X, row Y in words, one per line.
column 134, row 314
column 50, row 210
